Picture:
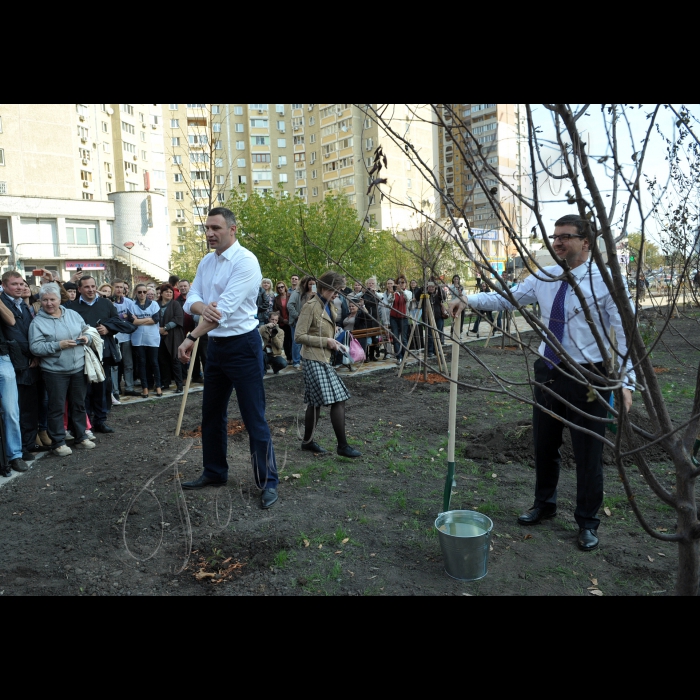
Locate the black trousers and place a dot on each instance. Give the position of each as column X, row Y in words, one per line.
column 200, row 359
column 147, row 364
column 62, row 387
column 98, row 398
column 29, row 402
column 170, row 367
column 588, row 451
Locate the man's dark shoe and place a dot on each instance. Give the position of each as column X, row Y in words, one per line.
column 102, row 428
column 348, row 451
column 536, row 515
column 19, row 465
column 131, row 392
column 313, row 447
column 5, row 472
column 28, row 456
column 587, row 539
column 269, row 498
column 201, row 483
column 198, row 380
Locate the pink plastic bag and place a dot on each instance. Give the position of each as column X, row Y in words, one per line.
column 356, row 351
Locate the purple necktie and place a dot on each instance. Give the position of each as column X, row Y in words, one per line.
column 557, row 319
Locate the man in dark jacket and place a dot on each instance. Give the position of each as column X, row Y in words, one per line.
column 94, row 309
column 30, row 388
column 189, row 325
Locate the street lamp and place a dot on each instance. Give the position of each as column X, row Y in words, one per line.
column 129, row 245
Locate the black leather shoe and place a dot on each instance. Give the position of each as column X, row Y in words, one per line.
column 587, row 539
column 313, row 447
column 348, row 451
column 131, row 392
column 536, row 515
column 201, row 483
column 19, row 465
column 28, row 456
column 5, row 472
column 102, row 428
column 269, row 498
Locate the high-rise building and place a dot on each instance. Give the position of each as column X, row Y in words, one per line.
column 79, row 181
column 307, row 150
column 498, row 129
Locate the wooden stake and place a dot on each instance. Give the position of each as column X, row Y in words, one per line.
column 187, row 387
column 452, row 421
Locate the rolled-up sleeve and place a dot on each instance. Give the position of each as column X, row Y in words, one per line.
column 241, row 285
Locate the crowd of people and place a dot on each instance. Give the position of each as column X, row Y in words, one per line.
column 70, row 350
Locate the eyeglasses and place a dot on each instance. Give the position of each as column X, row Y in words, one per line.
column 402, row 282
column 564, row 237
column 281, row 287
column 142, row 292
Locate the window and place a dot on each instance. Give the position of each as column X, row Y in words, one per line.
column 131, row 168
column 129, row 109
column 2, row 156
column 299, row 157
column 408, row 184
column 199, row 175
column 173, row 108
column 238, row 110
column 297, row 106
column 177, row 177
column 281, row 143
column 262, row 175
column 240, row 162
column 220, row 179
column 240, row 145
column 215, row 109
column 180, row 196
column 105, row 127
column 282, row 160
column 174, row 123
column 144, row 155
column 300, row 174
column 312, row 138
column 281, row 127
column 242, row 179
column 260, row 158
column 279, row 109
column 314, row 191
column 218, row 162
column 216, row 128
column 238, row 128
column 155, row 120
column 175, row 141
column 260, row 108
column 108, row 167
column 314, row 174
column 131, row 187
column 88, row 195
column 129, row 147
column 221, row 197
column 218, row 145
column 260, row 140
column 106, row 147
column 196, row 106
column 143, row 136
column 298, row 140
column 198, row 139
column 81, row 233
column 177, row 160
column 312, row 121
column 258, row 123
column 283, row 177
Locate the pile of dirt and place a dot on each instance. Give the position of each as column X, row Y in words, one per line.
column 432, row 378
column 234, row 428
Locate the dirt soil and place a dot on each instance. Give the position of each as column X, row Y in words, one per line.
column 113, row 521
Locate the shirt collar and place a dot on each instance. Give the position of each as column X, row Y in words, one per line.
column 228, row 253
column 89, row 303
column 16, row 302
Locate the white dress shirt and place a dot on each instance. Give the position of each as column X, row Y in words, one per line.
column 578, row 339
column 232, row 280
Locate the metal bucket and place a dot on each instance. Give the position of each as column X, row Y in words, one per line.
column 464, row 536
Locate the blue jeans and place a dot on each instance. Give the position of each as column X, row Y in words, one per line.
column 399, row 329
column 236, row 362
column 10, row 405
column 296, row 348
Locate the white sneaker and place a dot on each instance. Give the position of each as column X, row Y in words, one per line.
column 89, row 435
column 69, row 435
column 85, row 445
column 62, row 451
column 115, row 401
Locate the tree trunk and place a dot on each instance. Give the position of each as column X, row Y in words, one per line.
column 688, row 580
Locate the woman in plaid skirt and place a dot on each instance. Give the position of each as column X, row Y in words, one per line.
column 315, row 332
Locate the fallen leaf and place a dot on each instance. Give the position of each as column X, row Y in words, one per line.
column 663, row 529
column 661, row 554
column 468, row 594
column 371, row 577
column 490, row 548
column 202, row 574
column 338, row 552
column 352, row 573
column 594, row 581
column 297, row 476
column 345, row 541
column 283, row 430
column 650, row 559
column 320, row 546
column 494, row 476
column 595, row 592
column 442, row 449
column 607, row 511
column 399, row 426
column 286, row 478
column 306, row 543
column 373, row 555
column 528, row 537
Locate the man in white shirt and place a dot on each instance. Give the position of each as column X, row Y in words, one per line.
column 224, row 294
column 569, row 338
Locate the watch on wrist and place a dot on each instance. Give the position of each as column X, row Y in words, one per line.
column 191, row 337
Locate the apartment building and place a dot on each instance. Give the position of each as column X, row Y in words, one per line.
column 308, row 150
column 499, row 130
column 77, row 183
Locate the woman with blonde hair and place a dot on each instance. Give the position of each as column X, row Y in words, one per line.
column 322, row 386
column 266, row 300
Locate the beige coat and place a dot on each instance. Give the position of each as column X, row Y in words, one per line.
column 314, row 327
column 276, row 342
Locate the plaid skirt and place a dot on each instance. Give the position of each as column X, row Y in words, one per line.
column 322, row 386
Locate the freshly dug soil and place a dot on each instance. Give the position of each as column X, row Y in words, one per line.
column 114, row 521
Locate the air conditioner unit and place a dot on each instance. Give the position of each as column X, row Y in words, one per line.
column 143, row 125
column 154, row 126
column 85, row 161
column 136, row 158
column 311, row 108
column 279, row 166
column 282, row 131
column 180, row 220
column 4, row 251
column 260, row 111
column 109, row 175
column 326, row 155
column 82, row 118
column 83, row 140
column 86, row 183
column 296, row 128
column 255, row 182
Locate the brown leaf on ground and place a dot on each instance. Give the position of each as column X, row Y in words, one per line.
column 595, row 591
column 607, row 511
column 594, row 581
column 306, row 543
column 345, row 541
column 650, row 559
column 528, row 537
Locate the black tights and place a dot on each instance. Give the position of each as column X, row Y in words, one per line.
column 337, row 421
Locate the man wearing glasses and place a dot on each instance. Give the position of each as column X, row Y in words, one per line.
column 398, row 317
column 560, row 387
column 224, row 294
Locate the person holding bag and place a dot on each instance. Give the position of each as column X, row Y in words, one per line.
column 322, row 386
